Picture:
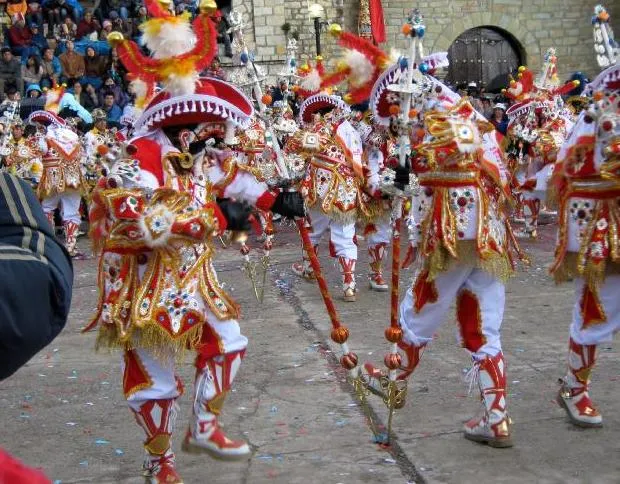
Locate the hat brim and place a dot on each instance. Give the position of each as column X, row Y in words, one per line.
column 214, row 101
column 318, row 102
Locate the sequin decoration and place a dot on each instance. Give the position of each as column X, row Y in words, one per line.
column 462, row 201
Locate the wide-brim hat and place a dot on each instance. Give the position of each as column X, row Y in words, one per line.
column 214, row 100
column 320, row 101
column 608, row 80
column 45, row 118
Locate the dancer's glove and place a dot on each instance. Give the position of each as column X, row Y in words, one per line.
column 289, row 204
column 237, row 214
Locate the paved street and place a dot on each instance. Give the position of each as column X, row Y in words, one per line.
column 65, row 413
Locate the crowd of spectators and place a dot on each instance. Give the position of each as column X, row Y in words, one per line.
column 53, row 42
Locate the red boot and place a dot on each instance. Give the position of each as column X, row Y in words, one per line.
column 375, row 257
column 213, row 381
column 573, row 395
column 347, row 269
column 71, row 235
column 493, row 428
column 157, row 418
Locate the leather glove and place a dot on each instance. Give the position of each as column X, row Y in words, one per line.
column 289, row 204
column 237, row 214
column 402, row 175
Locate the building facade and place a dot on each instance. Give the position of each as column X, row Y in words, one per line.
column 505, row 32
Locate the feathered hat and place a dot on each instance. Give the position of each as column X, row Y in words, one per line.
column 180, row 50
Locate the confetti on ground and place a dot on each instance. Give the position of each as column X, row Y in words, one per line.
column 119, row 451
column 389, row 461
column 71, row 424
column 101, row 442
column 84, row 463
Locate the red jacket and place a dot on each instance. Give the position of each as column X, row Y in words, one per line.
column 20, row 36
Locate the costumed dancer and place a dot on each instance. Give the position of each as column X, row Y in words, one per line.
column 154, row 217
column 538, row 125
column 463, row 240
column 97, row 144
column 329, row 150
column 587, row 183
column 62, row 184
column 23, row 156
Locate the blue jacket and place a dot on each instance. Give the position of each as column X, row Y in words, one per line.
column 114, row 113
column 35, row 268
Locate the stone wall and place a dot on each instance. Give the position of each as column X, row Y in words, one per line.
column 536, row 24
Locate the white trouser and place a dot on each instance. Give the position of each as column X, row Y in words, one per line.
column 382, row 233
column 147, row 377
column 69, row 205
column 480, row 309
column 597, row 333
column 342, row 236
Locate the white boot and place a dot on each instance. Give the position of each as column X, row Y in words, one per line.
column 573, row 395
column 493, row 428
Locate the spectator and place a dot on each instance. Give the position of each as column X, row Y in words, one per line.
column 87, row 27
column 94, row 68
column 112, row 109
column 499, row 119
column 487, row 107
column 58, row 10
column 34, row 101
column 110, row 87
column 72, row 63
column 222, row 26
column 38, row 39
column 32, row 71
column 118, row 7
column 105, row 30
column 33, row 90
column 51, row 68
column 8, row 104
column 215, row 69
column 122, row 26
column 115, row 68
column 85, row 96
column 66, row 31
column 35, row 15
column 141, row 17
column 20, row 37
column 10, row 71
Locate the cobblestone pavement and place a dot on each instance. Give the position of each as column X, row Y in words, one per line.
column 64, row 411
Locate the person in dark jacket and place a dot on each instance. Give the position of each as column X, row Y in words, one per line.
column 34, row 267
column 10, row 71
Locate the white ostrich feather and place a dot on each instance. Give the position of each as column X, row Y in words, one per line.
column 312, row 82
column 172, row 39
column 361, row 67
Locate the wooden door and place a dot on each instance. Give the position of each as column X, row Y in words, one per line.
column 479, row 55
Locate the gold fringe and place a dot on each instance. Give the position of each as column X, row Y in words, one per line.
column 568, row 270
column 153, row 338
column 440, row 260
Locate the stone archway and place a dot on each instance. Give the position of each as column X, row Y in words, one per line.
column 531, row 53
